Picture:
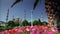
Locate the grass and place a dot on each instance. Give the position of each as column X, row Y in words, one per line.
column 42, row 33
column 26, row 33
column 57, row 33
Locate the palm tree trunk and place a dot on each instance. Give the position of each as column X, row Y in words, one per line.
column 52, row 9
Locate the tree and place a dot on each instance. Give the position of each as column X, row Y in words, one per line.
column 29, row 23
column 10, row 25
column 16, row 23
column 16, row 1
column 40, row 23
column 25, row 23
column 2, row 28
column 44, row 22
column 58, row 26
column 35, row 22
column 34, row 6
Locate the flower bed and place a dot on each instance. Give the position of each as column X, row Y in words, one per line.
column 31, row 30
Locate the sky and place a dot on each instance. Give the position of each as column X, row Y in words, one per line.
column 18, row 10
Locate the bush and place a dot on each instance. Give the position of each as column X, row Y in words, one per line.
column 10, row 25
column 35, row 22
column 2, row 28
column 25, row 23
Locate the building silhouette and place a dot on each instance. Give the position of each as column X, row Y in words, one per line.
column 18, row 20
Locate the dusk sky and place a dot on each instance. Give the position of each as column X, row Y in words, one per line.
column 18, row 10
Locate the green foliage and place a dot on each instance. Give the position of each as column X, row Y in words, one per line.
column 35, row 22
column 13, row 23
column 26, row 32
column 29, row 23
column 17, row 1
column 40, row 23
column 39, row 20
column 58, row 26
column 35, row 4
column 25, row 23
column 44, row 22
column 57, row 32
column 16, row 23
column 10, row 25
column 2, row 28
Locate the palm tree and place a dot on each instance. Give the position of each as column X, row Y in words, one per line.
column 16, row 1
column 52, row 9
column 34, row 6
column 53, row 12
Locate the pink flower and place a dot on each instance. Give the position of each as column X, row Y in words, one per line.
column 16, row 30
column 5, row 32
column 0, row 32
column 38, row 32
column 32, row 32
column 56, row 30
column 19, row 31
column 10, row 32
column 50, row 32
column 45, row 31
column 28, row 28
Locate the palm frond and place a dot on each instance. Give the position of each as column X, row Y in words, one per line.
column 17, row 1
column 35, row 4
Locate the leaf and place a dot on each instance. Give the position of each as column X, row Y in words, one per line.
column 35, row 4
column 17, row 1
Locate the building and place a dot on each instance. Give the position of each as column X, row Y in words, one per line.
column 19, row 20
column 2, row 23
column 53, row 12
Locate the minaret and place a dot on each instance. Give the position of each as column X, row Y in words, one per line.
column 24, row 14
column 7, row 15
column 31, row 17
column 13, row 18
column 42, row 18
column 20, row 22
